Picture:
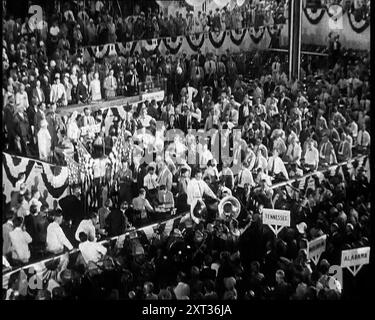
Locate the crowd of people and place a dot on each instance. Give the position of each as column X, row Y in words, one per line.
column 97, row 23
column 285, row 128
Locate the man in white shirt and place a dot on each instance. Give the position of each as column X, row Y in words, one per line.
column 144, row 118
column 56, row 239
column 189, row 92
column 150, row 179
column 276, row 165
column 110, row 85
column 22, row 99
column 294, row 151
column 271, row 105
column 91, row 251
column 196, row 188
column 226, row 175
column 20, row 241
column 244, row 177
column 58, row 93
column 260, row 161
column 88, row 226
column 311, row 157
column 363, row 139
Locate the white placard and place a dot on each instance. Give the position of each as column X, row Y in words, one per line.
column 90, row 129
column 157, row 96
column 354, row 259
column 316, row 247
column 276, row 219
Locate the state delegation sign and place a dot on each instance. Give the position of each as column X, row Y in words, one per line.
column 315, row 248
column 354, row 259
column 276, row 219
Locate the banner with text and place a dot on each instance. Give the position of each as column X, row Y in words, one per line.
column 276, row 219
column 354, row 259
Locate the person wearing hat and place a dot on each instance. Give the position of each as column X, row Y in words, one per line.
column 56, row 240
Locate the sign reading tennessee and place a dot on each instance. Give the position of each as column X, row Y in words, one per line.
column 276, row 219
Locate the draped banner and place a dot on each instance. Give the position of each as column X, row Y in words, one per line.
column 52, row 181
column 352, row 26
column 219, row 42
column 47, row 269
column 317, row 24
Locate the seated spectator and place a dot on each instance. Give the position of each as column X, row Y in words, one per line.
column 91, row 251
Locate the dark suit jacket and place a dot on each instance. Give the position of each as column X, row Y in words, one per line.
column 31, row 115
column 9, row 121
column 82, row 93
column 36, row 96
column 22, row 126
column 52, row 125
column 286, row 104
column 72, row 208
column 207, row 274
column 116, row 222
column 142, row 71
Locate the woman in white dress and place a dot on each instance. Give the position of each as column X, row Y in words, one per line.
column 72, row 130
column 44, row 141
column 94, row 88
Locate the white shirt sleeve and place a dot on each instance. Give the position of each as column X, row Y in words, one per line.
column 63, row 239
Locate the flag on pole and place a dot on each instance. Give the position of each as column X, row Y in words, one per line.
column 73, row 170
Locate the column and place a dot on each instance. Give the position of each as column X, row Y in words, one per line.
column 295, row 32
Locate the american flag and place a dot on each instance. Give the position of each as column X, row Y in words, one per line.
column 85, row 161
column 74, row 173
column 118, row 150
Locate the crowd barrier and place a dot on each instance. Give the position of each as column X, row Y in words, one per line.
column 42, row 270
